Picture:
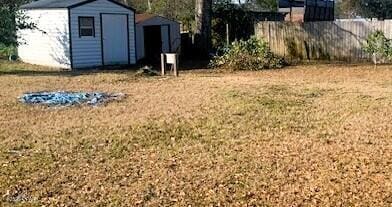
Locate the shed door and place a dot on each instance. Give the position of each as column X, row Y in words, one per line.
column 152, row 42
column 115, row 39
column 165, row 33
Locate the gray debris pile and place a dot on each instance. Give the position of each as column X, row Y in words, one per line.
column 147, row 71
column 64, row 98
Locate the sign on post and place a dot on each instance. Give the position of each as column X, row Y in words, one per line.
column 169, row 59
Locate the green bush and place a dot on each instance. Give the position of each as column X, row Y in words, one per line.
column 8, row 52
column 378, row 46
column 253, row 54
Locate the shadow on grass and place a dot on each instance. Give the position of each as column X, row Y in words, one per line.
column 194, row 64
column 22, row 69
column 64, row 73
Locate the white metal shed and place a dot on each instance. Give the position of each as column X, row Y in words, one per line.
column 155, row 35
column 79, row 34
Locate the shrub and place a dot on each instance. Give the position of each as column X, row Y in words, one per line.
column 253, row 54
column 8, row 51
column 378, row 46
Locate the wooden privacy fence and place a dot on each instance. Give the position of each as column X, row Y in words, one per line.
column 337, row 40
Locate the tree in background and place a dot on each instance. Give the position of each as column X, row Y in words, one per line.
column 230, row 22
column 271, row 5
column 203, row 21
column 140, row 5
column 180, row 10
column 267, row 4
column 11, row 20
column 381, row 9
column 236, row 21
column 224, row 12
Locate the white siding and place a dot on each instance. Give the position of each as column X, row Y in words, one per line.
column 175, row 35
column 87, row 51
column 49, row 44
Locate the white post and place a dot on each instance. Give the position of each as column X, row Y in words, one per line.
column 163, row 64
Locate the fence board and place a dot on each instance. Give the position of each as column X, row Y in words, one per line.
column 338, row 40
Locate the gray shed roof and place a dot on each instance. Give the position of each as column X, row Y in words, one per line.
column 50, row 4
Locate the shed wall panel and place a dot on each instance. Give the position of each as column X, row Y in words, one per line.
column 87, row 51
column 48, row 44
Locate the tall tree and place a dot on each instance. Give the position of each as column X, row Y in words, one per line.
column 381, row 9
column 203, row 21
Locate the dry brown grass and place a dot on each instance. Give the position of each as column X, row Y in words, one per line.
column 316, row 135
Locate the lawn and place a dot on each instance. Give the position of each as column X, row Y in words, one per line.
column 315, row 135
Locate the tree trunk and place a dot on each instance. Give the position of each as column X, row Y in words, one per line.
column 203, row 16
column 149, row 5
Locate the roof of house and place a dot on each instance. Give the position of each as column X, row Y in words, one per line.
column 51, row 4
column 145, row 16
